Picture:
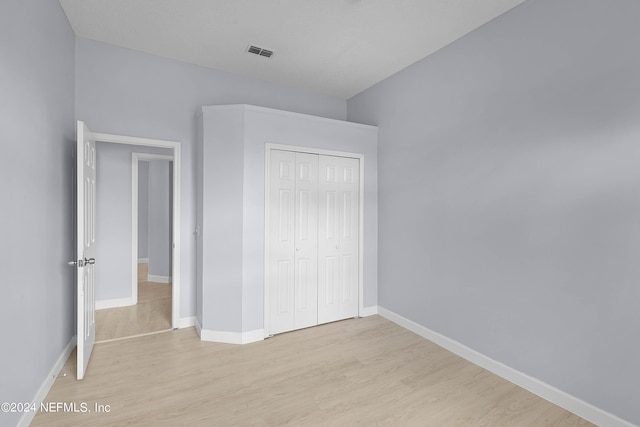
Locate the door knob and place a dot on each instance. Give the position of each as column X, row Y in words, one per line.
column 297, row 249
column 82, row 262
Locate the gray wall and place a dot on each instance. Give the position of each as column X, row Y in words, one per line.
column 220, row 188
column 37, row 136
column 159, row 220
column 510, row 194
column 126, row 92
column 143, row 209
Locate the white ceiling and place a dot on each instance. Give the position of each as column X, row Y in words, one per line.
column 334, row 47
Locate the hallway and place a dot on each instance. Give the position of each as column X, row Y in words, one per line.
column 151, row 314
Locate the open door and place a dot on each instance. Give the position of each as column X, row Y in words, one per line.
column 85, row 241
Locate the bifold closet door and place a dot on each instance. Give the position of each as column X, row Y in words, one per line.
column 338, row 238
column 293, row 241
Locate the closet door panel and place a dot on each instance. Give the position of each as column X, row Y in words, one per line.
column 306, row 241
column 338, row 228
column 281, row 263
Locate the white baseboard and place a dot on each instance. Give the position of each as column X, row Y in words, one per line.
column 158, row 279
column 369, row 311
column 27, row 417
column 252, row 336
column 186, row 322
column 229, row 337
column 558, row 397
column 143, row 260
column 113, row 303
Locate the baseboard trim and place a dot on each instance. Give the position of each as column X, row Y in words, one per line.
column 369, row 311
column 186, row 322
column 113, row 303
column 27, row 417
column 143, row 260
column 229, row 337
column 158, row 279
column 558, row 397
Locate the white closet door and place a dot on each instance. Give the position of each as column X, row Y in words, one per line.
column 306, row 241
column 281, row 240
column 338, row 228
column 293, row 241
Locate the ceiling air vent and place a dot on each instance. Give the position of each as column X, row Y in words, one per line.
column 260, row 51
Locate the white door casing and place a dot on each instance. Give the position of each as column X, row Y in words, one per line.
column 338, row 238
column 85, row 240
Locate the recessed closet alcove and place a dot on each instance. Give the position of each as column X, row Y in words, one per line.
column 236, row 285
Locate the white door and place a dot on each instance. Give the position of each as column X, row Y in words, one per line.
column 338, row 238
column 293, row 201
column 306, row 242
column 85, row 240
column 281, row 241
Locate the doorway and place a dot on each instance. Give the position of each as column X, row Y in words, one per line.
column 144, row 306
column 151, row 304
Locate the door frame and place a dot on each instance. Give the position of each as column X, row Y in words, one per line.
column 267, row 173
column 176, row 235
column 135, row 158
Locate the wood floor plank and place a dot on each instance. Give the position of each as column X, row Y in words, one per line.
column 355, row 372
column 152, row 313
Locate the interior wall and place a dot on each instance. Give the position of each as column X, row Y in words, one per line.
column 37, row 133
column 220, row 219
column 143, row 209
column 121, row 91
column 159, row 219
column 510, row 194
column 232, row 173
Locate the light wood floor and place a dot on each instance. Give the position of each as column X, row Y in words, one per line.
column 151, row 314
column 355, row 372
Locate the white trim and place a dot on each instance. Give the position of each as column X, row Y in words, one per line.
column 134, row 229
column 228, row 337
column 369, row 311
column 42, row 392
column 143, row 260
column 231, row 337
column 267, row 158
column 158, row 279
column 187, row 322
column 177, row 197
column 558, row 397
column 113, row 303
